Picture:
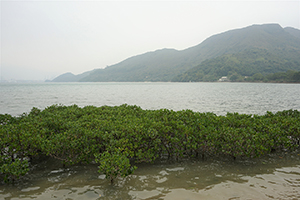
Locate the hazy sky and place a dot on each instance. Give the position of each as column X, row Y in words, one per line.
column 43, row 39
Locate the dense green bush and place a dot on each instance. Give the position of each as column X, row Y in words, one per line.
column 117, row 137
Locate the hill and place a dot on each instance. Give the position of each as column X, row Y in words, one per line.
column 240, row 65
column 293, row 31
column 160, row 65
column 69, row 77
column 278, row 47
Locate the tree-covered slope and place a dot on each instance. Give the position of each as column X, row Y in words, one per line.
column 246, row 63
column 160, row 65
column 294, row 32
column 274, row 43
column 69, row 77
column 271, row 37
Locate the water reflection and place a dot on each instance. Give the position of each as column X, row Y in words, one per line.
column 276, row 176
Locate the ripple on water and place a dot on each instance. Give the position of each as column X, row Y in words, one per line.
column 283, row 183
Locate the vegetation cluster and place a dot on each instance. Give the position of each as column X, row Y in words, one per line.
column 116, row 138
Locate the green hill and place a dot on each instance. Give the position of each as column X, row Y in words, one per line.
column 274, row 49
column 237, row 66
column 160, row 65
column 69, row 77
column 293, row 31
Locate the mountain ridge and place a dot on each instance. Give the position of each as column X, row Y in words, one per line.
column 165, row 64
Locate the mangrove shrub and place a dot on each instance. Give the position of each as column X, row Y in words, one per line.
column 116, row 137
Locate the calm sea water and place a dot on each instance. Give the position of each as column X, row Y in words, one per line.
column 220, row 98
column 275, row 176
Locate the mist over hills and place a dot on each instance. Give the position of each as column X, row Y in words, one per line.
column 267, row 48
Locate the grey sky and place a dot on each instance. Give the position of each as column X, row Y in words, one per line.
column 43, row 39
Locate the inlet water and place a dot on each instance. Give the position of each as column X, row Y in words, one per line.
column 276, row 176
column 219, row 98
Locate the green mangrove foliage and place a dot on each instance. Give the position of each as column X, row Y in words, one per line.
column 118, row 137
column 114, row 164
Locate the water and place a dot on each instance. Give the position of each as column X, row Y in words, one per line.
column 220, row 98
column 275, row 176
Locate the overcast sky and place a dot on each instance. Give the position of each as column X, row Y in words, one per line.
column 43, row 39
